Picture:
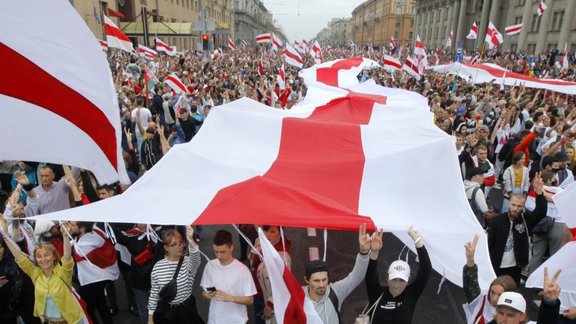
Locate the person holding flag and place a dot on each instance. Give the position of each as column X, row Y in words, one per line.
column 328, row 297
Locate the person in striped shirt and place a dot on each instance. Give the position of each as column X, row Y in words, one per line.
column 182, row 309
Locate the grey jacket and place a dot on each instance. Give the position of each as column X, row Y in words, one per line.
column 342, row 288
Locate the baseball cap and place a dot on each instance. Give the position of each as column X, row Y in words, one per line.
column 512, row 300
column 399, row 269
column 315, row 266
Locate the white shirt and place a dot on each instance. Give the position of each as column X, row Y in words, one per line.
column 145, row 115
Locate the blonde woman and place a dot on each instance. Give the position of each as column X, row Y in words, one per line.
column 52, row 277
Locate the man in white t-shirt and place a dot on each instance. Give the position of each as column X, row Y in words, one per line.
column 228, row 283
column 140, row 117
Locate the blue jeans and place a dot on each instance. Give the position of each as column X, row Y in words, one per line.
column 141, row 298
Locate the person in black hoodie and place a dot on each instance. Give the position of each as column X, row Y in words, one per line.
column 143, row 244
column 16, row 291
column 395, row 302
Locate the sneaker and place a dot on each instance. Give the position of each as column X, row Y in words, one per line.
column 113, row 310
column 497, row 186
column 133, row 310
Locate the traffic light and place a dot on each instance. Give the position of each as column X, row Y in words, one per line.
column 205, row 42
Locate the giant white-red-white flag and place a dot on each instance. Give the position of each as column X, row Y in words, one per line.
column 541, row 8
column 163, row 47
column 292, row 57
column 487, row 72
column 473, row 34
column 342, row 153
column 290, row 303
column 493, row 36
column 514, row 29
column 174, row 82
column 115, row 37
column 71, row 116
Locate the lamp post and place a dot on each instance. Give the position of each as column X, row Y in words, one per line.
column 400, row 3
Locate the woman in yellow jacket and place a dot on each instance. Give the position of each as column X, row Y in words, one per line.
column 52, row 278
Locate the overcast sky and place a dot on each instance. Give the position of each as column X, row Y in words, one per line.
column 303, row 19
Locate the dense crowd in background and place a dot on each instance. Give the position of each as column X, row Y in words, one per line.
column 515, row 145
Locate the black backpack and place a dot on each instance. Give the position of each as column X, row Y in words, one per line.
column 475, row 208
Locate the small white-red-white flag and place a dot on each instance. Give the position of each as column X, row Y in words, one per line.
column 146, row 52
column 297, row 46
column 290, row 303
column 541, row 8
column 115, row 37
column 437, row 57
column 292, row 57
column 261, row 67
column 449, row 40
column 231, row 44
column 263, row 38
column 475, row 59
column 514, row 29
column 104, row 45
column 244, row 43
column 565, row 57
column 163, row 47
column 304, row 46
column 281, row 78
column 473, row 34
column 316, row 52
column 391, row 63
column 174, row 82
column 411, row 67
column 493, row 36
column 276, row 42
column 420, row 55
column 393, row 43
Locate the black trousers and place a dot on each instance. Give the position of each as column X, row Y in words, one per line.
column 185, row 313
column 514, row 272
column 95, row 297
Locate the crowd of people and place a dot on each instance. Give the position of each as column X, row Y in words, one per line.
column 515, row 145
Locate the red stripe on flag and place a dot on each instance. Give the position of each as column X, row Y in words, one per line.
column 115, row 32
column 293, row 56
column 53, row 95
column 500, row 74
column 311, row 151
column 294, row 313
column 329, row 75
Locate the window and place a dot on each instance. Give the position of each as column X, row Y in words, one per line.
column 513, row 47
column 411, row 35
column 517, row 20
column 535, row 23
column 411, row 22
column 396, row 34
column 531, row 48
column 557, row 19
column 551, row 47
column 521, row 2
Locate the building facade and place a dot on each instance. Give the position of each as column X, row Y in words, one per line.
column 555, row 28
column 376, row 21
column 176, row 22
column 337, row 33
column 250, row 19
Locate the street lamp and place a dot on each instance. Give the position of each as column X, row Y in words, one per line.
column 400, row 5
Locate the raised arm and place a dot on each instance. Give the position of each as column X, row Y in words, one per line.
column 470, row 272
column 12, row 246
column 67, row 249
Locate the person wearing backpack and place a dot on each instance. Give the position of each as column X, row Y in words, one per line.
column 475, row 195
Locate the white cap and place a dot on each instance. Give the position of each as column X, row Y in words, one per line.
column 399, row 269
column 512, row 300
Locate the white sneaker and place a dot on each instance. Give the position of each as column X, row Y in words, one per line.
column 497, row 186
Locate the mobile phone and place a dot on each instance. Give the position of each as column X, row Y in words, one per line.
column 211, row 289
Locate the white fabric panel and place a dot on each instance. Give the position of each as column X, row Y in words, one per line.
column 564, row 259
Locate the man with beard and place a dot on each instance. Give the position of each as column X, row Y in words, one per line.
column 328, row 297
column 395, row 302
column 508, row 233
